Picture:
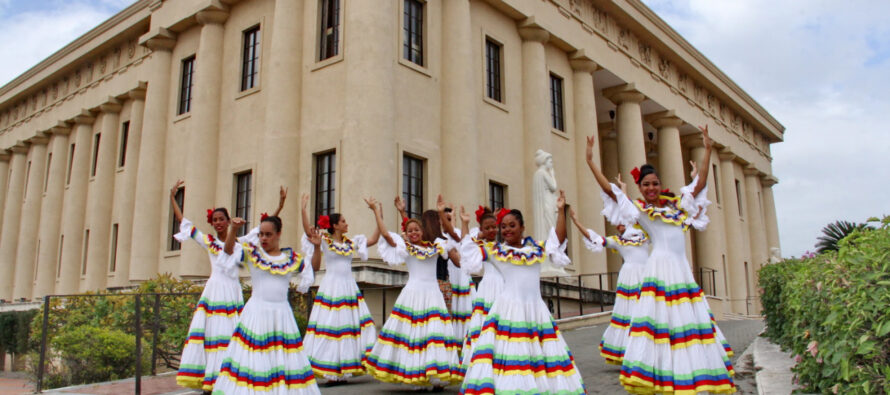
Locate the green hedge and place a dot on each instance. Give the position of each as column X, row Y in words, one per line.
column 14, row 328
column 832, row 311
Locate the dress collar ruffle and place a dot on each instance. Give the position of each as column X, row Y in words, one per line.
column 670, row 211
column 530, row 253
column 292, row 261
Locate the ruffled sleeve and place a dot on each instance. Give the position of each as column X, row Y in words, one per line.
column 696, row 207
column 555, row 250
column 360, row 243
column 474, row 232
column 253, row 236
column 393, row 255
column 307, row 275
column 306, row 246
column 593, row 241
column 230, row 263
column 471, row 255
column 187, row 230
column 620, row 211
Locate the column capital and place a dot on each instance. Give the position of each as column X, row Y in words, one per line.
column 726, row 154
column 4, row 156
column 62, row 129
column 137, row 93
column 214, row 13
column 768, row 180
column 581, row 62
column 20, row 147
column 158, row 39
column 85, row 118
column 751, row 171
column 664, row 119
column 624, row 93
column 111, row 106
column 39, row 139
column 529, row 30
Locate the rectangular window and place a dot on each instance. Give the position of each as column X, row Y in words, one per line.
column 329, row 32
column 49, row 162
column 125, row 133
column 493, row 70
column 36, row 259
column 412, row 185
column 716, row 182
column 557, row 114
column 738, row 195
column 174, row 224
column 112, row 261
column 95, row 162
column 325, row 186
column 59, row 261
column 243, row 188
column 412, row 31
column 83, row 257
column 27, row 180
column 70, row 164
column 496, row 195
column 186, row 83
column 250, row 58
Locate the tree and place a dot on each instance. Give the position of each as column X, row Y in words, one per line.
column 835, row 232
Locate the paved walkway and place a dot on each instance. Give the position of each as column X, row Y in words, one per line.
column 599, row 377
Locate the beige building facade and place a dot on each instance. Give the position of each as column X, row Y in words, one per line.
column 343, row 99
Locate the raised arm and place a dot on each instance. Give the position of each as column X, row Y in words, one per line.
column 578, row 224
column 464, row 222
column 704, row 166
column 231, row 235
column 374, row 205
column 304, row 212
column 315, row 238
column 447, row 226
column 177, row 211
column 282, row 196
column 561, row 216
column 600, row 178
column 400, row 207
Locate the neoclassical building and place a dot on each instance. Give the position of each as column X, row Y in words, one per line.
column 343, row 99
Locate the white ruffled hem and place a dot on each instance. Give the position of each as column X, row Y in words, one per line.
column 307, row 278
column 620, row 211
column 185, row 230
column 556, row 251
column 593, row 241
column 696, row 207
column 393, row 255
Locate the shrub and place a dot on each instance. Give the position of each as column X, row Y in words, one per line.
column 14, row 330
column 831, row 311
column 88, row 354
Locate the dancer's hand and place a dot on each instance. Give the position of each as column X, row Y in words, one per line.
column 237, row 223
column 589, row 151
column 464, row 215
column 400, row 205
column 179, row 184
column 561, row 201
column 621, row 184
column 705, row 137
column 694, row 172
column 314, row 237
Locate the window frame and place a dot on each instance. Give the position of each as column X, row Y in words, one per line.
column 71, row 148
column 174, row 244
column 244, row 189
column 490, row 42
column 492, row 186
column 122, row 150
column 557, row 107
column 251, row 39
column 410, row 181
column 186, row 84
column 94, row 160
column 324, row 50
column 738, row 195
column 327, row 172
column 412, row 43
column 49, row 162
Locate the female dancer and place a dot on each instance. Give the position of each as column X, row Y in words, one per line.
column 340, row 329
column 520, row 349
column 633, row 246
column 266, row 352
column 674, row 345
column 416, row 345
column 221, row 301
column 492, row 282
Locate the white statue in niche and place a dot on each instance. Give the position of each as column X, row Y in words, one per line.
column 544, row 195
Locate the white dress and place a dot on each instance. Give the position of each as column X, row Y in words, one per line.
column 634, row 252
column 416, row 345
column 674, row 346
column 340, row 330
column 463, row 295
column 265, row 355
column 521, row 350
column 215, row 316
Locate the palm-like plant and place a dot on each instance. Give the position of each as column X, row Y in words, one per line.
column 835, row 232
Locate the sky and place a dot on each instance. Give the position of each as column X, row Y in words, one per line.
column 822, row 68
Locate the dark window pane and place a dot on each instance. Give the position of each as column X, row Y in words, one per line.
column 493, row 70
column 125, row 132
column 325, row 183
column 250, row 59
column 242, row 199
column 329, row 31
column 186, row 85
column 412, row 42
column 174, row 229
column 556, row 103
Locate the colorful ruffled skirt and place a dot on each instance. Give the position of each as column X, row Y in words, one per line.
column 340, row 330
column 615, row 338
column 416, row 345
column 463, row 293
column 266, row 354
column 674, row 345
column 209, row 332
column 521, row 351
column 489, row 288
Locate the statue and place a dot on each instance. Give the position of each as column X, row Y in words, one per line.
column 544, row 195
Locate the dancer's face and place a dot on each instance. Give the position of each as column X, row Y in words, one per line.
column 269, row 236
column 219, row 221
column 511, row 230
column 488, row 229
column 650, row 188
column 341, row 225
column 413, row 232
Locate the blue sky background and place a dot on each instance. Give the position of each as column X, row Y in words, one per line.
column 821, row 67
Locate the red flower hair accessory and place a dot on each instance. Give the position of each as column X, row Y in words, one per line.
column 479, row 213
column 636, row 174
column 665, row 191
column 263, row 217
column 324, row 222
column 501, row 214
column 404, row 223
column 210, row 215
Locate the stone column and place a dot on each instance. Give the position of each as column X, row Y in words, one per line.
column 4, row 179
column 369, row 138
column 735, row 242
column 631, row 146
column 126, row 196
column 75, row 203
column 150, row 198
column 461, row 178
column 284, row 86
column 589, row 203
column 203, row 140
column 756, row 230
column 100, row 199
column 51, row 214
column 711, row 243
column 535, row 101
column 30, row 220
column 670, row 158
column 12, row 215
column 769, row 215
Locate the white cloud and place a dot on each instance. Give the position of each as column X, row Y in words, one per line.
column 823, row 70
